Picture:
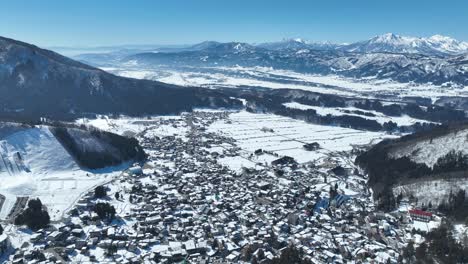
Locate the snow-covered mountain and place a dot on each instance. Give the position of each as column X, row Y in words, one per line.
column 435, row 45
column 298, row 44
column 399, row 67
column 38, row 82
column 428, row 165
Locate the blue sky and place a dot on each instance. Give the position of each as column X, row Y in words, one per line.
column 116, row 22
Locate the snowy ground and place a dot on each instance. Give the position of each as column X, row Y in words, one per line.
column 274, row 79
column 252, row 132
column 133, row 126
column 339, row 111
column 287, row 137
column 44, row 170
column 429, row 150
column 435, row 191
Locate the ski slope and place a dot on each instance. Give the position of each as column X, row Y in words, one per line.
column 33, row 163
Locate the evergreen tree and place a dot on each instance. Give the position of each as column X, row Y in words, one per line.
column 105, row 211
column 35, row 217
column 100, row 192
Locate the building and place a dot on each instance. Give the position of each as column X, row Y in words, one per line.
column 136, row 170
column 420, row 215
column 312, row 146
column 286, row 160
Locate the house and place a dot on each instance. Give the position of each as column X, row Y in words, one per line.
column 284, row 161
column 55, row 236
column 263, row 185
column 339, row 171
column 311, row 146
column 136, row 170
column 420, row 215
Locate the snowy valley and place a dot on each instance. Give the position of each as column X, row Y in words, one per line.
column 234, row 152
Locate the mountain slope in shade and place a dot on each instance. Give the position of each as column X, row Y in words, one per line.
column 37, row 82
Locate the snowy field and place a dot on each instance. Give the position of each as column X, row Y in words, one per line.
column 34, row 164
column 274, row 79
column 403, row 120
column 278, row 135
column 286, row 137
column 133, row 126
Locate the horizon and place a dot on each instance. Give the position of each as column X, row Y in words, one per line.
column 106, row 24
column 123, row 45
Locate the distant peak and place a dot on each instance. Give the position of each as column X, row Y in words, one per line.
column 299, row 40
column 387, row 37
column 441, row 38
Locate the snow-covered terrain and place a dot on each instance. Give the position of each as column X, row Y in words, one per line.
column 276, row 134
column 372, row 115
column 233, row 77
column 131, row 126
column 286, row 137
column 434, row 45
column 389, row 42
column 428, row 150
column 34, row 164
column 431, row 190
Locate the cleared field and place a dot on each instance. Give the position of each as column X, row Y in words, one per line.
column 286, row 136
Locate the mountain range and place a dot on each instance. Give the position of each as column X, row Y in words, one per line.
column 436, row 45
column 35, row 82
column 401, row 67
column 436, row 60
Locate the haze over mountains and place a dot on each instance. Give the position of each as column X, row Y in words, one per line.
column 389, row 42
column 436, row 60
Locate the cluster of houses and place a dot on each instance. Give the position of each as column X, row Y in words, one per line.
column 184, row 206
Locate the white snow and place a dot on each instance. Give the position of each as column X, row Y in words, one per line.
column 45, row 170
column 403, row 120
column 288, row 137
column 278, row 79
column 429, row 150
column 133, row 125
column 435, row 191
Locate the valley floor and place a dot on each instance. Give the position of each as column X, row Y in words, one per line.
column 216, row 188
column 264, row 77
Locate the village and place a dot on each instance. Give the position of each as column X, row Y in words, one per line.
column 185, row 206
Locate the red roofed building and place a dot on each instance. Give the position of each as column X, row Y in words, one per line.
column 420, row 215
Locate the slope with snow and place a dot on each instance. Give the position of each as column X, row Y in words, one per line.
column 35, row 82
column 436, row 62
column 34, row 164
column 435, row 191
column 428, row 150
column 434, row 45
